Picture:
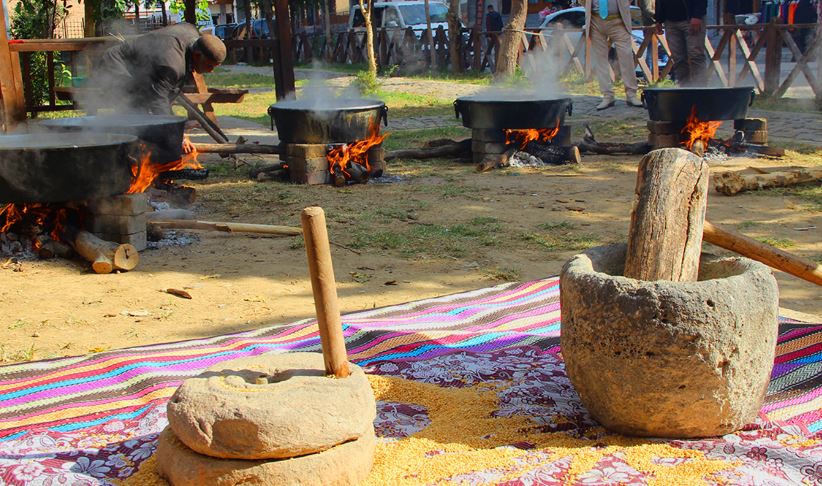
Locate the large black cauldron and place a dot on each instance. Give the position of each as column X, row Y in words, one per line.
column 521, row 111
column 711, row 104
column 337, row 120
column 61, row 167
column 163, row 135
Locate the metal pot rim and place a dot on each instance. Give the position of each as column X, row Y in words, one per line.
column 37, row 142
column 698, row 90
column 483, row 99
column 111, row 122
column 342, row 105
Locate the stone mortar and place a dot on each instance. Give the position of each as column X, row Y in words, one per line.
column 669, row 359
column 271, row 406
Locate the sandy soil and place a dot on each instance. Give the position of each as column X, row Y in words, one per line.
column 525, row 222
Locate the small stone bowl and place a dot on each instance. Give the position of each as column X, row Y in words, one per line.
column 669, row 359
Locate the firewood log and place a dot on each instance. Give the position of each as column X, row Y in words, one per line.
column 730, row 183
column 665, row 236
column 237, row 148
column 456, row 149
column 104, row 256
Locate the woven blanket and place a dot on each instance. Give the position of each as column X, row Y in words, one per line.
column 494, row 352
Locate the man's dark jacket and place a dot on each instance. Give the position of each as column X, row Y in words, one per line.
column 145, row 73
column 678, row 10
column 493, row 22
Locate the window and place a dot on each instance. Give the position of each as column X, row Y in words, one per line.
column 415, row 14
column 391, row 18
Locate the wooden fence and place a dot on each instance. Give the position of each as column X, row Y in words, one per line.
column 738, row 54
column 742, row 54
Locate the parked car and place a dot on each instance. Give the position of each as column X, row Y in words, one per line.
column 224, row 31
column 574, row 18
column 401, row 15
column 259, row 30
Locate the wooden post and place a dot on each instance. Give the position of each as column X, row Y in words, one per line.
column 665, row 237
column 11, row 89
column 283, row 57
column 324, row 287
column 773, row 58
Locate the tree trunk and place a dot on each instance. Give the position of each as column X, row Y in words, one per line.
column 369, row 38
column 164, row 12
column 191, row 11
column 665, row 236
column 454, row 36
column 328, row 48
column 90, row 26
column 249, row 51
column 429, row 36
column 509, row 46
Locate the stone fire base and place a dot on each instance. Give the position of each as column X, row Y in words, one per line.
column 121, row 219
column 669, row 359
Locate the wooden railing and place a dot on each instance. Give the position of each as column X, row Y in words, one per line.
column 739, row 54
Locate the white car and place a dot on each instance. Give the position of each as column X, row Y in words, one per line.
column 401, row 15
column 574, row 18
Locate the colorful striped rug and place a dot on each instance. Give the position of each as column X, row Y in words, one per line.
column 94, row 419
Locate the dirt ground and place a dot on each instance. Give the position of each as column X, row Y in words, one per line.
column 439, row 228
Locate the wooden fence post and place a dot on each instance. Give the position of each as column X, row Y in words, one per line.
column 11, row 81
column 773, row 58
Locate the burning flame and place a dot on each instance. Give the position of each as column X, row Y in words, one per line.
column 523, row 137
column 26, row 218
column 340, row 158
column 145, row 171
column 698, row 130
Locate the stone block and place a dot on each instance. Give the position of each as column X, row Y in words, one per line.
column 664, row 127
column 487, row 147
column 563, row 136
column 659, row 141
column 669, row 359
column 488, row 135
column 751, row 124
column 306, row 150
column 122, row 205
column 111, row 224
column 376, row 160
column 308, row 171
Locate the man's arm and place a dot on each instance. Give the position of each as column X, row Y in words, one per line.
column 647, row 8
column 165, row 87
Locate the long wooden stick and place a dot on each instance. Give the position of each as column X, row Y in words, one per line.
column 237, row 148
column 266, row 229
column 773, row 257
column 325, row 292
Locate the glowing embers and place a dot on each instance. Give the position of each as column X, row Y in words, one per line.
column 696, row 130
column 35, row 225
column 145, row 172
column 522, row 137
column 350, row 162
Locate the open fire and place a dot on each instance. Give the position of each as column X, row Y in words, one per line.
column 697, row 130
column 36, row 224
column 522, row 137
column 146, row 172
column 349, row 162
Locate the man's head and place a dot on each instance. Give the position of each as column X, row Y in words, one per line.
column 207, row 53
column 490, row 8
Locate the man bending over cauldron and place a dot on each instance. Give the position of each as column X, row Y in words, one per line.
column 144, row 74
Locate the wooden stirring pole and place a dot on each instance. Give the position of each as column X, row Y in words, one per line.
column 324, row 286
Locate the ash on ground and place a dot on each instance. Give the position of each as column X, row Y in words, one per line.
column 386, row 179
column 12, row 246
column 524, row 159
column 715, row 155
column 173, row 238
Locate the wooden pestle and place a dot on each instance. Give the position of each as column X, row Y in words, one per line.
column 324, row 287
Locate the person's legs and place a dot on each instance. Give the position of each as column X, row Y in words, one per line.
column 675, row 33
column 599, row 58
column 697, row 58
column 625, row 56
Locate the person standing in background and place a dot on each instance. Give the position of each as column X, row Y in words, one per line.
column 493, row 25
column 606, row 22
column 684, row 25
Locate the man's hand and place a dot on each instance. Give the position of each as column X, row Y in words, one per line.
column 188, row 147
column 659, row 29
column 696, row 26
